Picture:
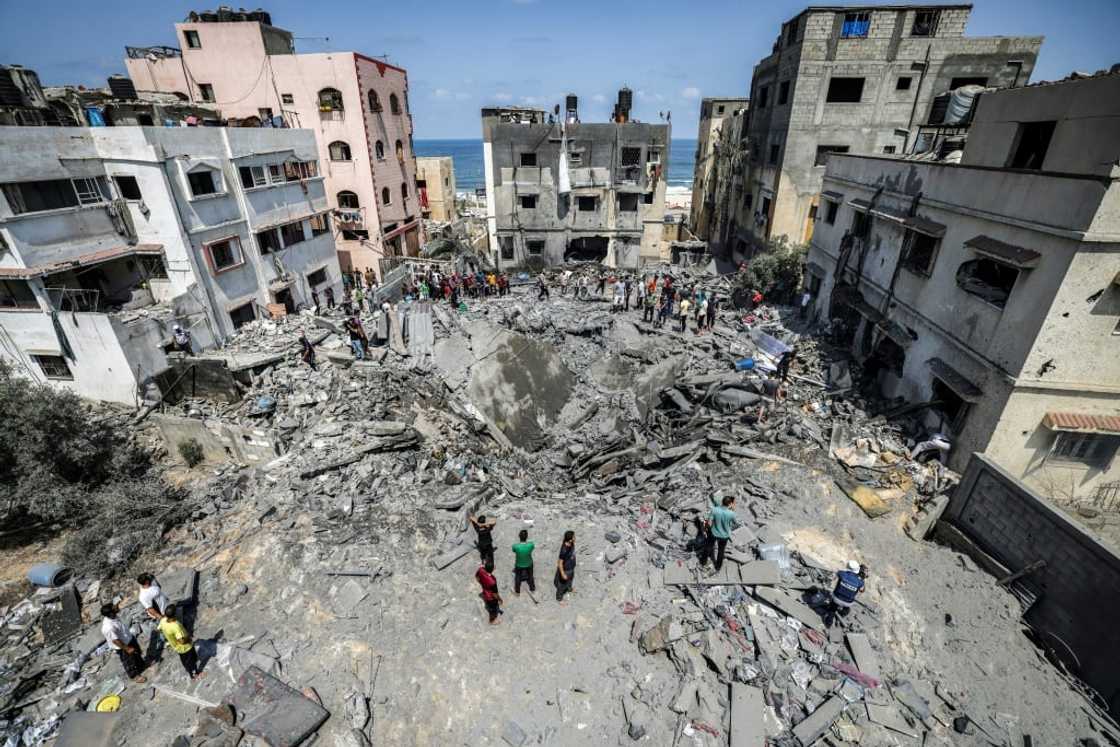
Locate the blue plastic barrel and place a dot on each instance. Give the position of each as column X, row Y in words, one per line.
column 48, row 574
column 744, row 364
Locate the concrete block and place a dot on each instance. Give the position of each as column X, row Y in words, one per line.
column 445, row 559
column 273, row 711
column 888, row 716
column 86, row 729
column 747, row 708
column 813, row 728
column 866, row 660
column 764, row 572
column 786, row 604
column 180, row 585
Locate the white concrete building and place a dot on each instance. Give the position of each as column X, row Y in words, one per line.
column 991, row 287
column 109, row 236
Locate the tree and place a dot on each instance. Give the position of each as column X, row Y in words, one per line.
column 777, row 272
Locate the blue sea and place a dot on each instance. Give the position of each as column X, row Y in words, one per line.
column 469, row 175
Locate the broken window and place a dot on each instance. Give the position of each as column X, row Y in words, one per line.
column 242, row 315
column 586, row 204
column 990, row 280
column 355, row 234
column 287, row 98
column 775, row 151
column 824, row 150
column 276, row 173
column 653, row 156
column 268, row 241
column 348, row 200
column 575, row 158
column 379, row 150
column 919, row 250
column 265, row 113
column 763, row 94
column 528, row 159
column 888, row 149
column 1092, row 449
column 399, row 148
column 206, row 92
column 528, row 202
column 224, row 254
column 534, row 248
column 628, row 203
column 748, row 200
column 647, row 198
column 386, row 196
column 294, row 171
column 925, row 23
column 844, row 90
column 330, row 100
column 320, row 224
column 317, row 278
column 956, row 83
column 253, row 176
column 191, row 37
column 506, row 243
column 54, row 367
column 856, row 25
column 783, row 92
column 950, row 403
column 830, row 212
column 33, row 197
column 339, row 151
column 631, row 156
column 17, row 294
column 861, row 224
column 202, row 182
column 404, row 191
column 719, row 109
column 92, row 191
column 1031, row 143
column 292, row 233
column 374, row 101
column 903, row 83
column 394, row 104
column 128, row 187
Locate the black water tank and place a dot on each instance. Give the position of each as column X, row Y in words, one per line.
column 122, row 88
column 625, row 101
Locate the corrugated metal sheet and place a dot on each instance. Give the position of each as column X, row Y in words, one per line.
column 1074, row 421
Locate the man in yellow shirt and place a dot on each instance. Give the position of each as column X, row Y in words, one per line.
column 179, row 640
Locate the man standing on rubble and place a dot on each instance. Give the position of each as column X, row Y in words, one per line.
column 490, row 595
column 721, row 521
column 523, row 563
column 685, row 304
column 849, row 585
column 649, row 307
column 357, row 337
column 785, row 362
column 307, row 350
column 118, row 636
column 485, row 529
column 566, row 566
column 152, row 598
column 180, row 642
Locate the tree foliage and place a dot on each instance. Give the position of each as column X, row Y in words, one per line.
column 777, row 271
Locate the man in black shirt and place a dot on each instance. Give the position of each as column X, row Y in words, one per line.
column 565, row 566
column 485, row 539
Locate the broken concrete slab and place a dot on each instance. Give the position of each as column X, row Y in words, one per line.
column 513, row 735
column 348, row 598
column 788, row 605
column 444, row 559
column 760, row 572
column 747, row 708
column 87, row 729
column 866, row 660
column 273, row 711
column 62, row 623
column 813, row 728
column 180, row 585
column 888, row 716
column 873, row 502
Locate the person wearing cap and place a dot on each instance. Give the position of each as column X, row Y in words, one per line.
column 849, row 585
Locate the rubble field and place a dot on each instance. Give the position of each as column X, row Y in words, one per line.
column 331, row 590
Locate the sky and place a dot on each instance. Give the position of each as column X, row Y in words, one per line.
column 463, row 55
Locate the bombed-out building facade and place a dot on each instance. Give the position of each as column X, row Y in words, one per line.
column 603, row 198
column 856, row 80
column 985, row 286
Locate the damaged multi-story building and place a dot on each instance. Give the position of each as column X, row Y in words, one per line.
column 356, row 105
column 855, row 80
column 435, row 184
column 110, row 236
column 722, row 124
column 601, row 199
column 985, row 287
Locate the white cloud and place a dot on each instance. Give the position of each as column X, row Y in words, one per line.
column 692, row 92
column 599, row 98
column 441, row 93
column 503, row 96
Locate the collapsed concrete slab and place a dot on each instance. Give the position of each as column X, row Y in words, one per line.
column 273, row 711
column 747, row 708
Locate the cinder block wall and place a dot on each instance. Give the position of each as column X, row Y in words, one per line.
column 1078, row 590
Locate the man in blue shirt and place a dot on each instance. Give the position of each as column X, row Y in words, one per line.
column 849, row 585
column 721, row 521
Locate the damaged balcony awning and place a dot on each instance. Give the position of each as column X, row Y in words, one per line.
column 955, row 380
column 84, row 260
column 1081, row 423
column 861, row 205
column 912, row 222
column 1016, row 256
column 866, row 310
column 834, row 196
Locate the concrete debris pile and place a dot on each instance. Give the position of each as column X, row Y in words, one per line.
column 333, row 588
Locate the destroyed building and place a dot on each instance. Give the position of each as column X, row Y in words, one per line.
column 435, row 185
column 110, row 236
column 356, row 105
column 722, row 122
column 989, row 290
column 855, row 80
column 601, row 199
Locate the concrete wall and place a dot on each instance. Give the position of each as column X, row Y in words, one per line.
column 888, row 52
column 1078, row 591
column 438, row 172
column 221, row 442
column 707, row 184
column 633, row 237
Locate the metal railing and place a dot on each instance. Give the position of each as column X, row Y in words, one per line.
column 1107, row 497
column 74, row 299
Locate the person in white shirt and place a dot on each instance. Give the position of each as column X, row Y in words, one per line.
column 119, row 637
column 152, row 598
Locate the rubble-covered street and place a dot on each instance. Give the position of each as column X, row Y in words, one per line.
column 345, row 566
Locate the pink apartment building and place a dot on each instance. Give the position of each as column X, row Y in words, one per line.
column 357, row 106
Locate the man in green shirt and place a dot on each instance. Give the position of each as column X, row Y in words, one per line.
column 721, row 521
column 523, row 563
